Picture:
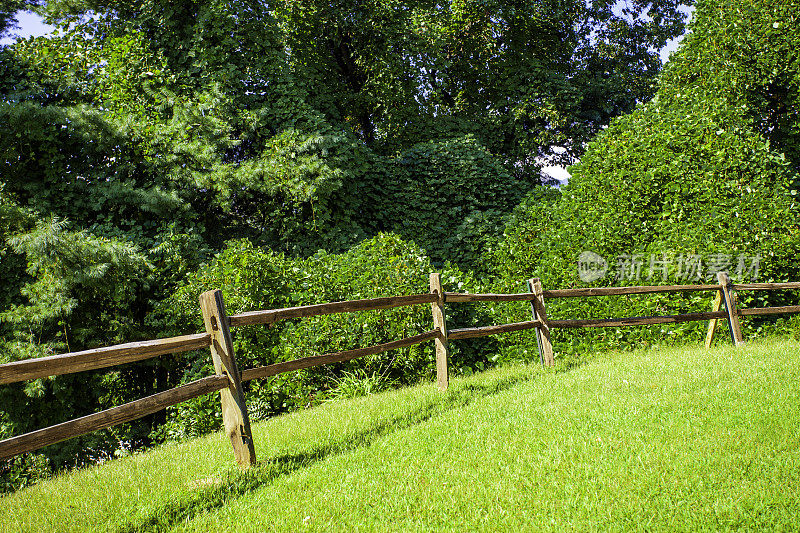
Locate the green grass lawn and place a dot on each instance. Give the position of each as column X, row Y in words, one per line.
column 681, row 439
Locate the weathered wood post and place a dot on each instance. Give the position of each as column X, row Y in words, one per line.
column 539, row 313
column 234, row 411
column 712, row 324
column 730, row 307
column 440, row 324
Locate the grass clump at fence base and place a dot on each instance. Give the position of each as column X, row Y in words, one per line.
column 680, row 439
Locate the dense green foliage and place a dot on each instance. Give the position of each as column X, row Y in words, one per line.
column 254, row 278
column 450, row 197
column 708, row 169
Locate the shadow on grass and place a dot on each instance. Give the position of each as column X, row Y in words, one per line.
column 237, row 483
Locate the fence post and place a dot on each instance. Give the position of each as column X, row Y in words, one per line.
column 234, row 411
column 730, row 307
column 440, row 324
column 712, row 324
column 539, row 313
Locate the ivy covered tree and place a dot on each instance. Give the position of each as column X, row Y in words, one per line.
column 708, row 168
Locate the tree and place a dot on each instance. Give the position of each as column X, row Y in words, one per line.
column 522, row 77
column 749, row 55
column 707, row 168
column 285, row 122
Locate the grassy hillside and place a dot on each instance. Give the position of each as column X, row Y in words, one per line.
column 681, row 439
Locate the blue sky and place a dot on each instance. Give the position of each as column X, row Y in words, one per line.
column 30, row 24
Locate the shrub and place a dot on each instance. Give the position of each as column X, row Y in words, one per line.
column 698, row 171
column 255, row 278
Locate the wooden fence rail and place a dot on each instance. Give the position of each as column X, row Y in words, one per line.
column 228, row 379
column 636, row 320
column 765, row 286
column 770, row 310
column 372, row 304
column 110, row 417
column 338, row 357
column 470, row 333
column 68, row 363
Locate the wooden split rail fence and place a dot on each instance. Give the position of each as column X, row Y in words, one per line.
column 228, row 379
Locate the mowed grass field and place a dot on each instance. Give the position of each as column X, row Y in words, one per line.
column 674, row 440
